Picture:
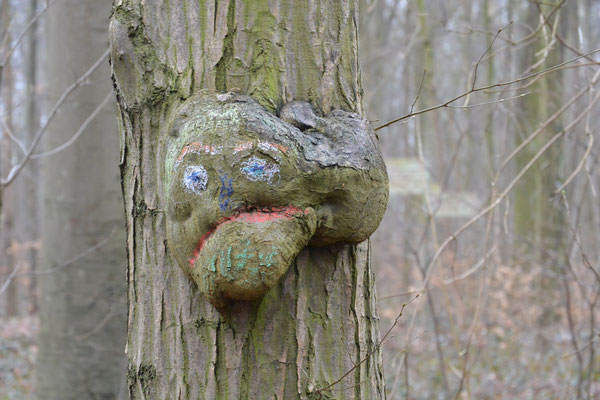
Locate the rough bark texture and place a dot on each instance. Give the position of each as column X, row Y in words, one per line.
column 319, row 322
column 82, row 285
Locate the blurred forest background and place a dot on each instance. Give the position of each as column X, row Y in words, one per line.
column 488, row 258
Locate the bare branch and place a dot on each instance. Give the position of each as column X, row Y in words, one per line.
column 10, row 278
column 112, row 312
column 412, row 106
column 72, row 259
column 473, row 269
column 381, row 343
column 558, row 36
column 506, row 191
column 81, row 129
column 479, row 89
column 17, row 169
column 546, row 123
column 487, row 103
column 486, row 52
column 585, row 259
column 19, row 39
column 579, row 166
column 12, row 137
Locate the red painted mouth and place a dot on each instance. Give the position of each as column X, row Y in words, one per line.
column 249, row 217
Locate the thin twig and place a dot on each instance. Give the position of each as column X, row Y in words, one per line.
column 485, row 52
column 10, row 278
column 584, row 257
column 469, row 30
column 533, row 81
column 473, row 269
column 412, row 106
column 560, row 38
column 22, row 34
column 74, row 258
column 12, row 137
column 479, row 89
column 401, row 350
column 79, row 132
column 16, row 169
column 579, row 166
column 377, row 347
column 107, row 317
column 546, row 123
column 591, row 342
column 487, row 103
column 506, row 191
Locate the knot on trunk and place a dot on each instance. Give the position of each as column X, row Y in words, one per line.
column 247, row 190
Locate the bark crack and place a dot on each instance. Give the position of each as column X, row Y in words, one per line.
column 227, row 55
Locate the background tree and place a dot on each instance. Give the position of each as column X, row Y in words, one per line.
column 27, row 190
column 20, row 221
column 6, row 218
column 317, row 332
column 82, row 282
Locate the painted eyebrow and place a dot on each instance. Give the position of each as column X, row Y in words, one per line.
column 196, row 148
column 272, row 146
column 242, row 146
column 262, row 145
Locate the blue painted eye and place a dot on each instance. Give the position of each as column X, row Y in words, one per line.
column 195, row 179
column 257, row 169
column 254, row 170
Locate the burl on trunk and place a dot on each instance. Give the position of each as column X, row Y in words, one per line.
column 247, row 190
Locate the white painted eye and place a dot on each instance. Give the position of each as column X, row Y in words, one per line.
column 195, row 179
column 257, row 169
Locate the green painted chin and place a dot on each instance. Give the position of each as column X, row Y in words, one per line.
column 246, row 254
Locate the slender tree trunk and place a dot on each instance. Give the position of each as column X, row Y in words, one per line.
column 7, row 250
column 27, row 188
column 82, row 300
column 20, row 228
column 319, row 323
column 4, row 9
column 537, row 221
column 535, row 218
column 489, row 122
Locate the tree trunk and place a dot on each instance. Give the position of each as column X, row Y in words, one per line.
column 319, row 323
column 82, row 286
column 7, row 226
column 535, row 217
column 538, row 223
column 27, row 188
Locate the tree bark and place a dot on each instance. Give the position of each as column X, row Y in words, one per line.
column 82, row 285
column 319, row 323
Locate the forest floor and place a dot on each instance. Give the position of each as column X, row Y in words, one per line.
column 18, row 349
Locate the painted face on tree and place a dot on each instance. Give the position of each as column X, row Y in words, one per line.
column 248, row 190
